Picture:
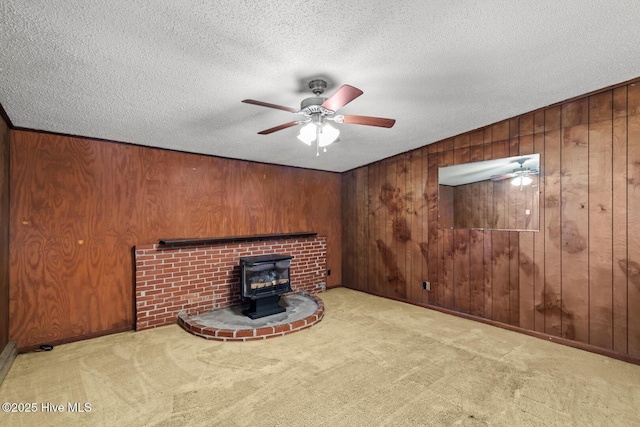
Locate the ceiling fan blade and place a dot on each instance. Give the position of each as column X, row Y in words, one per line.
column 277, row 128
column 515, row 173
column 342, row 97
column 369, row 121
column 266, row 104
column 501, row 177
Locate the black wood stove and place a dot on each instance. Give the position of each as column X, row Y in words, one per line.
column 263, row 279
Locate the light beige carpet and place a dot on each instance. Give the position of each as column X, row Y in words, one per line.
column 369, row 362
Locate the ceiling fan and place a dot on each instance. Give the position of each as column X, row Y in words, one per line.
column 520, row 176
column 316, row 111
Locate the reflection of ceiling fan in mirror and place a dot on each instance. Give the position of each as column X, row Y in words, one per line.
column 315, row 113
column 520, row 176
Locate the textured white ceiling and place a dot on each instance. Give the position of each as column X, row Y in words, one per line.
column 171, row 74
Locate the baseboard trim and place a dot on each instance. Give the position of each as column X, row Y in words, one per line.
column 34, row 347
column 7, row 357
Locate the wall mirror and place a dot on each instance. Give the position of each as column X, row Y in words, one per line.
column 501, row 194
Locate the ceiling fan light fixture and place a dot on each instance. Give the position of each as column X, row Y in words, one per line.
column 328, row 135
column 325, row 133
column 521, row 180
column 308, row 133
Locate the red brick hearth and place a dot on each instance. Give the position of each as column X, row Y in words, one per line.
column 191, row 279
column 252, row 334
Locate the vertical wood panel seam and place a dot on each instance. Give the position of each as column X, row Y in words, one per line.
column 561, row 150
column 536, row 273
column 408, row 265
column 589, row 219
column 509, row 287
column 626, row 271
column 510, row 234
column 488, row 235
column 424, row 209
column 367, row 242
column 533, row 243
column 544, row 245
column 613, row 252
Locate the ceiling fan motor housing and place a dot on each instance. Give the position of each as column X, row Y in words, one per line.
column 313, row 105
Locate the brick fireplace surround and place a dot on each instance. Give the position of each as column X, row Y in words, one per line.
column 193, row 278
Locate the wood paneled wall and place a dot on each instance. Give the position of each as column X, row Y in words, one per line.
column 4, row 234
column 577, row 278
column 78, row 207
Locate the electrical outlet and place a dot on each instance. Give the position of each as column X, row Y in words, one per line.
column 426, row 286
